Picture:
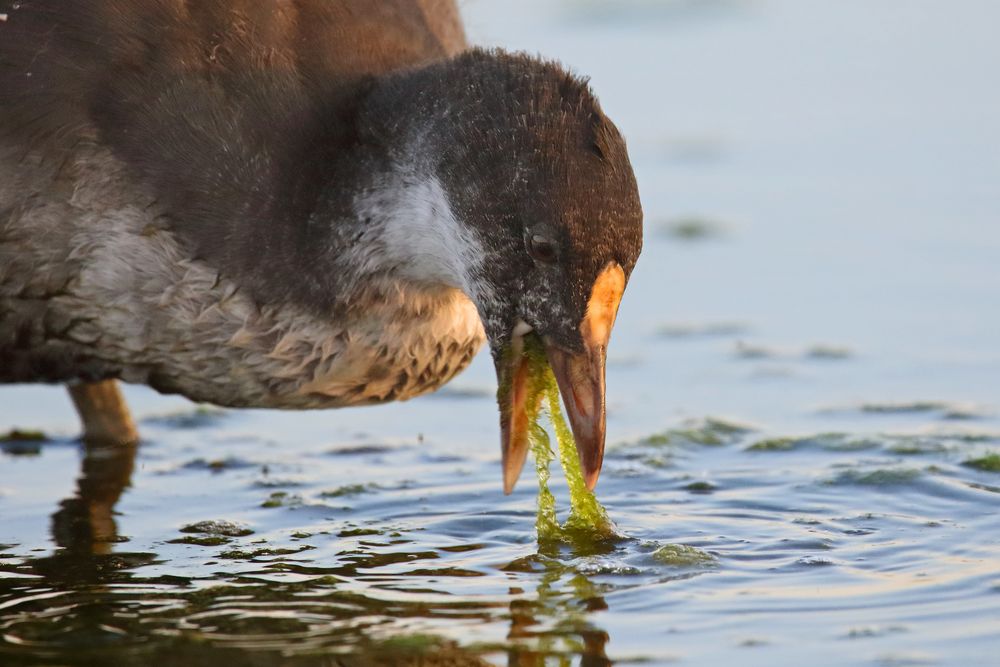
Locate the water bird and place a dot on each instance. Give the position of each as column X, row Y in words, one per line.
column 301, row 204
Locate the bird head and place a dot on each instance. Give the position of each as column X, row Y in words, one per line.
column 540, row 183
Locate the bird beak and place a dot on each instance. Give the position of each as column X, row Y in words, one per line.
column 580, row 376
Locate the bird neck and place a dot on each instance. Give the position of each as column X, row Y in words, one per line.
column 413, row 231
column 397, row 227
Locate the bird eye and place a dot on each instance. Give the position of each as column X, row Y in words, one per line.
column 542, row 249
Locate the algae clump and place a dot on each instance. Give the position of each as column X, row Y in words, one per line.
column 20, row 435
column 988, row 463
column 679, row 555
column 588, row 521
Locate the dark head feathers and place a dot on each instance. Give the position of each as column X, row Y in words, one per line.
column 523, row 149
column 491, row 90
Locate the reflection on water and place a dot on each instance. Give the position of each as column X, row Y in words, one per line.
column 84, row 527
column 85, row 603
column 804, row 438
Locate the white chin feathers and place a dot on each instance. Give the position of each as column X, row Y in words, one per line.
column 416, row 235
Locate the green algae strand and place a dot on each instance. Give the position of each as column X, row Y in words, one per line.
column 588, row 521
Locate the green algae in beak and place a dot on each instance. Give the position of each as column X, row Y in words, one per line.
column 588, row 520
column 579, row 378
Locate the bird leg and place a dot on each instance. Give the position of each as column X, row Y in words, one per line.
column 105, row 416
column 85, row 523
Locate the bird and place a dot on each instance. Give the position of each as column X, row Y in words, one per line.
column 302, row 204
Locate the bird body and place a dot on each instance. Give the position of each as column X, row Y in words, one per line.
column 93, row 286
column 94, row 283
column 302, row 204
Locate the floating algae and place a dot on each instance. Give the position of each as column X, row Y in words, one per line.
column 588, row 520
column 679, row 555
column 19, row 435
column 988, row 463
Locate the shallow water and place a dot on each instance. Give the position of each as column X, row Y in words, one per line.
column 802, row 402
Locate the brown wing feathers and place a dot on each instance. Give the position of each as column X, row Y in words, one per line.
column 232, row 111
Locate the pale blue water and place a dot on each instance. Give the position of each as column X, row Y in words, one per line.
column 843, row 159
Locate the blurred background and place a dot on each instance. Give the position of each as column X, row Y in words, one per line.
column 819, row 295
